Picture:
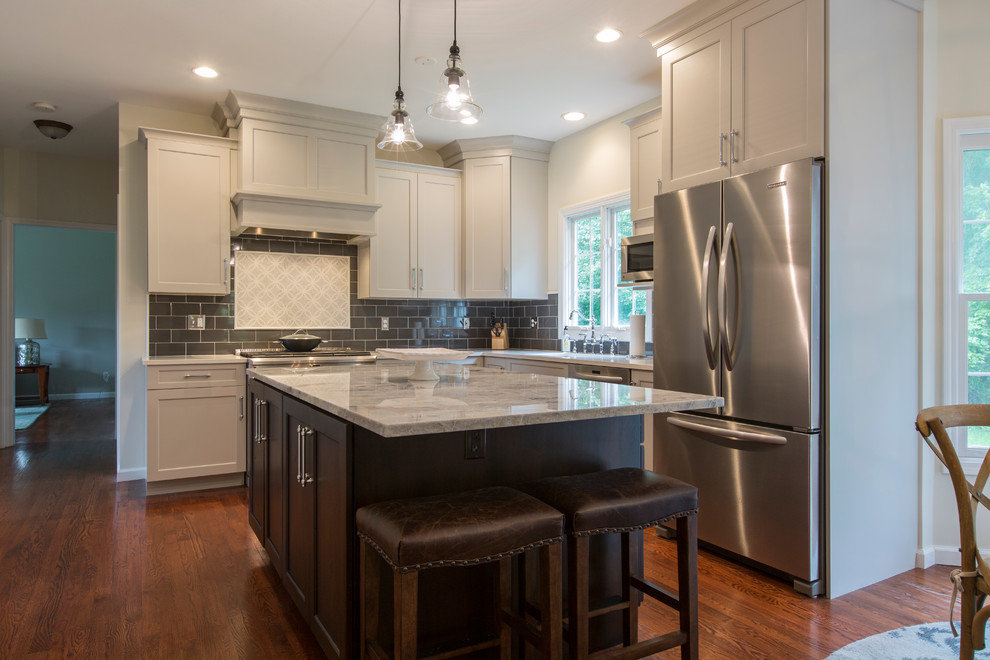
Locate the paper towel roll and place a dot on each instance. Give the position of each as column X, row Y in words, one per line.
column 637, row 334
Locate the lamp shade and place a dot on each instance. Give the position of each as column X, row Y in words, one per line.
column 29, row 329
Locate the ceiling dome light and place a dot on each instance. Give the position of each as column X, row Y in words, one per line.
column 50, row 128
column 608, row 35
column 574, row 115
column 205, row 72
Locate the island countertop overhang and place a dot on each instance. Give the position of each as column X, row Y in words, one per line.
column 381, row 397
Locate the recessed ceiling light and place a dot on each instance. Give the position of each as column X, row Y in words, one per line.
column 608, row 35
column 205, row 72
column 573, row 116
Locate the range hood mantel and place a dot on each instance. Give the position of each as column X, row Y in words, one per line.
column 301, row 167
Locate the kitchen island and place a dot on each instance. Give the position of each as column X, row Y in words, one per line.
column 326, row 441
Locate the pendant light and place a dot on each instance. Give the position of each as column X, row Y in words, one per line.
column 397, row 133
column 453, row 101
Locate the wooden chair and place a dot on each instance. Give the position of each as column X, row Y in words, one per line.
column 969, row 581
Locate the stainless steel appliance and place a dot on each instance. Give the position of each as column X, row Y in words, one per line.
column 636, row 259
column 259, row 357
column 737, row 313
column 599, row 373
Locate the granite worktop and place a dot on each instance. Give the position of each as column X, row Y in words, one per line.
column 381, row 398
column 639, row 363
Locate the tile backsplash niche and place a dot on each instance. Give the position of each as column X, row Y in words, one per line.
column 412, row 323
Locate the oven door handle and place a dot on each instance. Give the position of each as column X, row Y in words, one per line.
column 728, row 434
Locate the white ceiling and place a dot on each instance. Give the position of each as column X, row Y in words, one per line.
column 528, row 61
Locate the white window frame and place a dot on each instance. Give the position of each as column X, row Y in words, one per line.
column 603, row 207
column 958, row 135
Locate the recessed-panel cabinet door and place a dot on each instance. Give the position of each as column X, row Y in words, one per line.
column 299, row 521
column 438, row 236
column 393, row 249
column 275, row 455
column 778, row 78
column 257, row 465
column 696, row 110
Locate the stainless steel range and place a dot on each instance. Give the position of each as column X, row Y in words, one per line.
column 270, row 357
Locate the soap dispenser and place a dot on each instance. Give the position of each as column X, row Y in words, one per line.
column 565, row 343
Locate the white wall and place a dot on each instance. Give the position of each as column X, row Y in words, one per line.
column 873, row 306
column 132, row 277
column 587, row 165
column 60, row 188
column 957, row 71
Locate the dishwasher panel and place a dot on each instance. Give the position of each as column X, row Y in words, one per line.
column 758, row 489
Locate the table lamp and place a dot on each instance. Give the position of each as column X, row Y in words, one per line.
column 29, row 352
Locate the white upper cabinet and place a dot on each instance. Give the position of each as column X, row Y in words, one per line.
column 742, row 92
column 188, row 212
column 416, row 252
column 644, row 152
column 505, row 215
column 302, row 167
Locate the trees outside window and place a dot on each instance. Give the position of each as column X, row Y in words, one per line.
column 966, row 144
column 592, row 265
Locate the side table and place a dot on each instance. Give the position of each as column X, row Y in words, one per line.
column 41, row 370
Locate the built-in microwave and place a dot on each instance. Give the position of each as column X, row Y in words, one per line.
column 637, row 259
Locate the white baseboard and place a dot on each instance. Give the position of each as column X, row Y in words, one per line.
column 131, row 474
column 924, row 557
column 195, row 483
column 947, row 555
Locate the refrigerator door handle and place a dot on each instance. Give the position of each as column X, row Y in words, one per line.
column 705, row 271
column 729, row 434
column 728, row 342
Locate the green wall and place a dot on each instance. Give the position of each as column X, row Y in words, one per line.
column 66, row 277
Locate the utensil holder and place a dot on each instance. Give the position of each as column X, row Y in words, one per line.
column 501, row 341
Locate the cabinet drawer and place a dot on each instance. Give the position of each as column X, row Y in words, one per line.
column 200, row 375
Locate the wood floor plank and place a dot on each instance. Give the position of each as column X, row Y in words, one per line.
column 93, row 568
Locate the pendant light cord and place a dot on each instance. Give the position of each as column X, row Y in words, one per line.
column 455, row 22
column 399, row 56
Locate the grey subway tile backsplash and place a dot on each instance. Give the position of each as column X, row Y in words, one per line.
column 412, row 323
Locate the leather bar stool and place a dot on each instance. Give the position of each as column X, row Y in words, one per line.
column 622, row 501
column 460, row 529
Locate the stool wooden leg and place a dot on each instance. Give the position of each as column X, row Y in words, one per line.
column 577, row 595
column 503, row 601
column 406, row 586
column 687, row 583
column 370, row 576
column 551, row 594
column 630, row 615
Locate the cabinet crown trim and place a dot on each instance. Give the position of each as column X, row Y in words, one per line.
column 147, row 133
column 649, row 115
column 694, row 16
column 503, row 145
column 240, row 105
column 416, row 167
column 300, row 200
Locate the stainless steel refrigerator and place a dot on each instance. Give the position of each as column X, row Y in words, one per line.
column 738, row 313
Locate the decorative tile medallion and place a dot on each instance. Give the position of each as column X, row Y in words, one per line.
column 291, row 291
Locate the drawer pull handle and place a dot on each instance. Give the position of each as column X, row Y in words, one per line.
column 198, row 376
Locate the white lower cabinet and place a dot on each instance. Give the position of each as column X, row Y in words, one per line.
column 196, row 427
column 645, row 379
column 527, row 366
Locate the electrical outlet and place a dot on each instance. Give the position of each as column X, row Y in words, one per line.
column 474, row 443
column 534, row 322
column 384, row 323
column 465, row 322
column 195, row 322
column 106, row 376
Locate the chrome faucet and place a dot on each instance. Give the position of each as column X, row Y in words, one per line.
column 591, row 321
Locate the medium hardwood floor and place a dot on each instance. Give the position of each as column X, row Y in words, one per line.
column 94, row 569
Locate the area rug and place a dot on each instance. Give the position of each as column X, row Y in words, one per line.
column 27, row 415
column 927, row 641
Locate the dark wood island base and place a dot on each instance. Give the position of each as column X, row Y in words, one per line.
column 309, row 471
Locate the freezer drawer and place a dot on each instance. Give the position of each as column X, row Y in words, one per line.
column 758, row 492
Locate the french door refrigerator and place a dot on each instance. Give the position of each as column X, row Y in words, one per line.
column 738, row 313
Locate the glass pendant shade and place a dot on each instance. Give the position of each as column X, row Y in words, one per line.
column 453, row 101
column 398, row 133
